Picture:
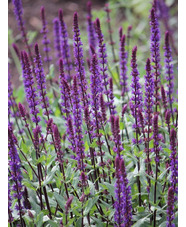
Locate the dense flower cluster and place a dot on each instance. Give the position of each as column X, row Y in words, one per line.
column 114, row 163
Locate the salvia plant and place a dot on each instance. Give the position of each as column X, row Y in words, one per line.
column 92, row 134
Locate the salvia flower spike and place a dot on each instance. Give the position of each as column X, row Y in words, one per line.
column 65, row 45
column 123, row 66
column 174, row 161
column 155, row 54
column 30, row 90
column 57, row 38
column 15, row 168
column 45, row 40
column 90, row 26
column 169, row 72
column 170, row 208
column 136, row 100
column 79, row 62
column 77, row 120
column 41, row 82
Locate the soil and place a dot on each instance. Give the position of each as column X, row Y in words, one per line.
column 32, row 21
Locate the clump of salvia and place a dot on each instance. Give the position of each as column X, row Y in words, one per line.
column 82, row 154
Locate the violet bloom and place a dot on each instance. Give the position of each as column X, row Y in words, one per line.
column 170, row 207
column 77, row 121
column 169, row 71
column 123, row 66
column 16, row 49
column 45, row 40
column 118, row 204
column 156, row 136
column 149, row 94
column 68, row 204
column 57, row 142
column 15, row 169
column 103, row 109
column 66, row 105
column 111, row 96
column 115, row 128
column 79, row 62
column 65, row 45
column 136, row 100
column 57, row 38
column 10, row 217
column 18, row 11
column 90, row 26
column 41, row 82
column 71, row 134
column 174, row 162
column 155, row 53
column 30, row 90
column 102, row 59
column 126, row 196
column 95, row 86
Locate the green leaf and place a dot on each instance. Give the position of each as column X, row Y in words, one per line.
column 39, row 220
column 61, row 201
column 41, row 159
column 110, row 187
column 90, row 204
column 52, row 223
column 50, row 176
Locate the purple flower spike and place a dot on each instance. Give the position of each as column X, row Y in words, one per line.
column 57, row 141
column 65, row 45
column 170, row 207
column 156, row 138
column 126, row 193
column 71, row 135
column 103, row 109
column 45, row 40
column 66, row 104
column 95, row 92
column 155, row 53
column 18, row 11
column 115, row 128
column 16, row 50
column 102, row 59
column 41, row 82
column 164, row 98
column 90, row 26
column 15, row 169
column 68, row 204
column 149, row 95
column 118, row 204
column 77, row 121
column 111, row 96
column 174, row 161
column 30, row 90
column 136, row 100
column 123, row 66
column 169, row 71
column 79, row 62
column 10, row 217
column 57, row 38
